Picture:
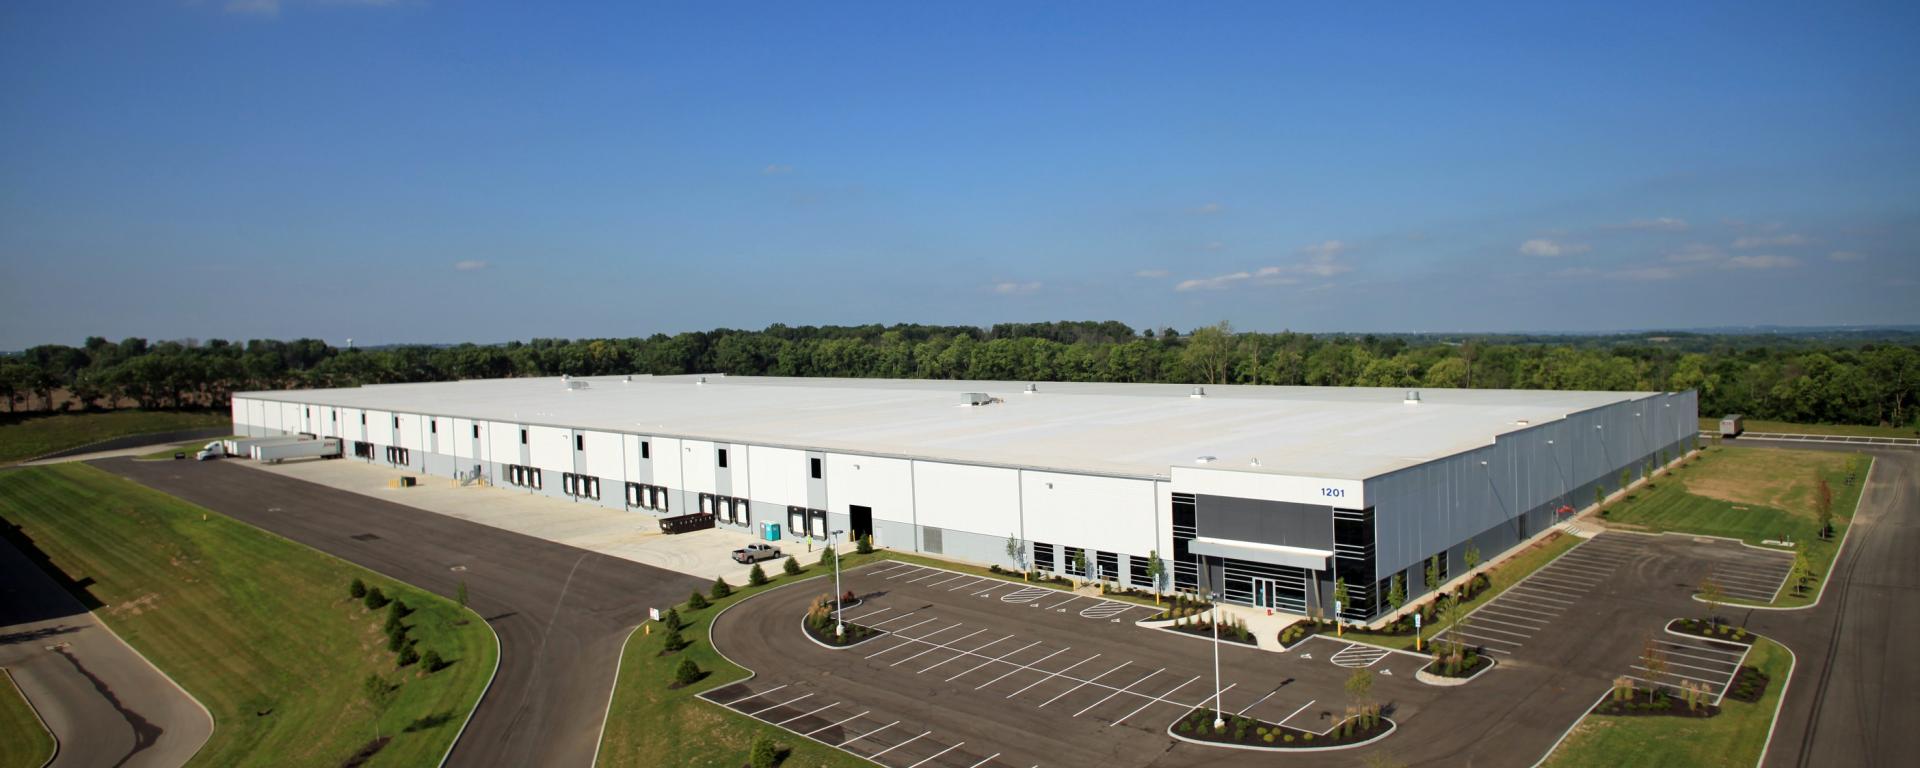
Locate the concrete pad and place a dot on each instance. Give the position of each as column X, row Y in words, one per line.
column 627, row 535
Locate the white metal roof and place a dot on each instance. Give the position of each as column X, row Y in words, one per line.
column 1120, row 429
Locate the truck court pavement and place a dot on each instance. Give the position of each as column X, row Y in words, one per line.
column 562, row 614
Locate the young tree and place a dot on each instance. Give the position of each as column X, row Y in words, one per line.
column 1472, row 556
column 720, row 588
column 1397, row 593
column 827, row 556
column 1017, row 552
column 696, row 601
column 791, row 567
column 1080, row 563
column 1711, row 594
column 1654, row 661
column 1360, row 689
column 1155, row 569
column 1802, row 569
column 764, row 754
column 1599, row 495
column 1823, row 505
column 377, row 694
column 1626, row 478
column 1340, row 596
column 864, row 545
column 1433, row 573
column 757, row 576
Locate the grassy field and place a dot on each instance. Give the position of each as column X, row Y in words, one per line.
column 1502, row 576
column 24, row 743
column 1732, row 738
column 1849, row 430
column 649, row 725
column 1751, row 494
column 260, row 629
column 38, row 435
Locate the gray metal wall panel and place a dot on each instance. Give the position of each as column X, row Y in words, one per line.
column 817, row 487
column 1265, row 522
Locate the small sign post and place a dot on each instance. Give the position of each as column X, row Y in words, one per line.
column 1339, row 624
column 1416, row 630
column 653, row 613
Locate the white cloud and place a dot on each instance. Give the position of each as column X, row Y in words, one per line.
column 1762, row 262
column 1541, row 246
column 1207, row 209
column 1151, row 273
column 776, row 169
column 1322, row 262
column 1661, row 224
column 470, row 265
column 1696, row 253
column 1770, row 241
column 1213, row 283
column 1010, row 288
column 1328, row 249
column 1845, row 256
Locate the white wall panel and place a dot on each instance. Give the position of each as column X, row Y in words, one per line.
column 630, row 452
column 460, row 442
column 778, row 475
column 412, row 427
column 669, row 461
column 552, row 448
column 1106, row 513
column 883, row 484
column 503, row 440
column 350, row 428
column 379, row 427
column 983, row 500
column 604, row 458
column 239, row 410
column 696, row 465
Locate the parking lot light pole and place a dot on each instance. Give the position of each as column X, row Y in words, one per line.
column 839, row 627
column 1218, row 721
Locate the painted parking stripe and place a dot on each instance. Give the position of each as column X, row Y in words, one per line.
column 1021, row 667
column 869, row 733
column 1544, row 586
column 931, row 647
column 876, row 756
column 1500, row 640
column 1063, row 602
column 1256, row 702
column 988, row 760
column 936, row 754
column 757, row 695
column 975, row 651
column 1120, row 691
column 1491, row 649
column 1157, row 700
column 865, row 615
column 1476, row 626
column 815, row 712
column 996, row 585
column 1528, row 622
column 756, row 713
column 1083, row 684
column 1670, row 673
column 1725, row 662
column 1107, row 610
column 1563, row 582
column 1543, row 616
column 968, row 585
column 1026, row 594
column 906, row 641
column 931, row 573
column 949, row 580
column 1705, row 648
column 901, row 617
column 1718, row 670
column 1532, row 593
column 1053, row 675
column 842, row 722
column 1587, row 570
column 889, row 569
column 916, row 569
column 1296, row 713
column 992, row 660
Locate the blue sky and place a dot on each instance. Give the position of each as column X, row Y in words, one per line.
column 449, row 171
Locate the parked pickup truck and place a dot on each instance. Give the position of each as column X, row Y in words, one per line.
column 753, row 553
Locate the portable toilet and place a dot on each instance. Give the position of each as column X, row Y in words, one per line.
column 770, row 531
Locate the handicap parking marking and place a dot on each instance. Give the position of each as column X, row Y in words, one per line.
column 1356, row 656
column 1107, row 610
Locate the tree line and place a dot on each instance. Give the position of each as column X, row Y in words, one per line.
column 1837, row 380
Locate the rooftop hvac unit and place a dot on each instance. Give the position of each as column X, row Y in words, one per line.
column 571, row 384
column 1198, row 392
column 1032, row 388
column 975, row 398
column 1413, row 397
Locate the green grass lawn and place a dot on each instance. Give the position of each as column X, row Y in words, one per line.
column 1732, row 738
column 24, row 742
column 1849, row 430
column 260, row 629
column 649, row 725
column 1752, row 494
column 1502, row 576
column 38, row 435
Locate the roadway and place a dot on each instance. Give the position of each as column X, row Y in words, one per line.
column 562, row 614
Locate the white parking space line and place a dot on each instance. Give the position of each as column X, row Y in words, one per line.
column 1053, row 675
column 1706, row 648
column 1083, row 684
column 1501, row 640
column 1477, row 628
column 936, row 754
column 869, row 733
column 815, row 712
column 1563, row 582
column 1121, row 691
column 890, row 569
column 1724, row 669
column 876, row 756
column 955, row 577
column 988, row 760
column 1698, row 657
column 865, row 615
column 1063, row 602
column 976, row 650
column 996, row 585
column 1481, row 618
column 842, row 722
column 906, row 641
column 1515, row 619
column 932, row 648
column 967, row 585
column 1532, row 593
column 1670, row 673
column 916, row 569
column 931, row 573
column 1021, row 667
column 762, row 693
column 1256, row 702
column 1157, row 699
column 899, row 618
column 1543, row 615
column 1221, row 696
column 756, row 713
column 1296, row 713
column 1584, row 570
column 992, row 660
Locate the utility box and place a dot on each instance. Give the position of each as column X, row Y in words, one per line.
column 770, row 531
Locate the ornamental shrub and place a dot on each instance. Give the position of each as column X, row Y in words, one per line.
column 720, row 588
column 686, row 674
column 358, row 589
column 697, row 601
column 375, row 599
column 756, row 577
column 791, row 567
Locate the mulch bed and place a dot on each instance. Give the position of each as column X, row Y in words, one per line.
column 1247, row 732
column 856, row 634
column 1727, row 633
column 1749, row 685
column 1476, row 665
column 1300, row 631
column 1663, row 706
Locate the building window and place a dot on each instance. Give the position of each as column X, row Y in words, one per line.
column 523, row 436
column 396, row 422
column 1042, row 556
column 1138, row 573
column 723, row 458
column 1108, row 565
column 1072, row 556
column 579, row 442
column 476, row 431
column 363, row 419
column 646, row 450
column 1186, row 565
column 362, row 450
column 433, row 426
column 815, row 467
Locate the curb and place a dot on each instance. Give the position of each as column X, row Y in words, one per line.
column 36, row 716
column 1440, row 681
column 491, row 676
column 1391, row 727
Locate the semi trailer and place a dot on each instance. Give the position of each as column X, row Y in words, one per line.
column 324, row 448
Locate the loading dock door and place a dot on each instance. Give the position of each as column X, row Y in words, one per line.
column 860, row 519
column 817, row 523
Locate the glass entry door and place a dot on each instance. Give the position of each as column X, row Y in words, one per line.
column 1263, row 593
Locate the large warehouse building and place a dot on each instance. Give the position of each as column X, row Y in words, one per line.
column 1270, row 492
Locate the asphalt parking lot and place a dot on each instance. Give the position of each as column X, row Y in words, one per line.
column 973, row 671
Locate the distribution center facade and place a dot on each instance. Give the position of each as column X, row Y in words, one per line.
column 1269, row 492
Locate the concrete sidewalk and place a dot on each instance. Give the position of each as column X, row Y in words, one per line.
column 627, row 535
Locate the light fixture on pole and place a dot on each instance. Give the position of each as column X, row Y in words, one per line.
column 1218, row 721
column 839, row 627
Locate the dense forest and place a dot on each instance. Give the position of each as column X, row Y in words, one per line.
column 1837, row 378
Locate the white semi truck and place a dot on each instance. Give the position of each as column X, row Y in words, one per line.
column 323, row 448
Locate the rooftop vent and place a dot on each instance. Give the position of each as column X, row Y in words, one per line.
column 976, row 398
column 571, row 384
column 1413, row 397
column 1204, row 459
column 627, row 380
column 1198, row 392
column 1032, row 388
column 1255, row 462
column 701, row 380
column 1521, row 422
